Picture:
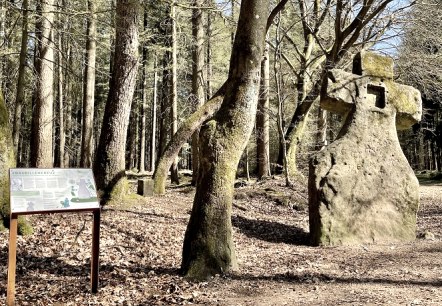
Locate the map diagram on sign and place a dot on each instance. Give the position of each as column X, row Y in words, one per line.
column 52, row 189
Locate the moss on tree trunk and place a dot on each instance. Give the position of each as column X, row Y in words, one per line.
column 208, row 246
column 7, row 161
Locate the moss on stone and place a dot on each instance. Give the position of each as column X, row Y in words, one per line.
column 373, row 64
column 24, row 227
column 120, row 190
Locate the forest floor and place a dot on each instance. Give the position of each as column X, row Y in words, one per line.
column 141, row 241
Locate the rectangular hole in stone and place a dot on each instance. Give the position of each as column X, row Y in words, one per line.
column 379, row 93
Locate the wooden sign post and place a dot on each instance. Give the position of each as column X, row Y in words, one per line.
column 44, row 191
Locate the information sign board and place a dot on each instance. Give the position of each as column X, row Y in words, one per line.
column 45, row 191
column 39, row 190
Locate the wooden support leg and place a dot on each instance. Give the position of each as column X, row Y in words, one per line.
column 95, row 251
column 12, row 260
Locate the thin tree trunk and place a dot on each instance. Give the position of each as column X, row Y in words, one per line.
column 2, row 35
column 321, row 136
column 164, row 109
column 87, row 138
column 209, row 56
column 143, row 104
column 109, row 166
column 208, row 246
column 60, row 104
column 43, row 125
column 154, row 116
column 262, row 119
column 20, row 97
column 174, row 92
column 280, row 100
column 197, row 76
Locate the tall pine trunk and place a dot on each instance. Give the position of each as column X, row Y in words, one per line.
column 174, row 91
column 262, row 119
column 20, row 97
column 143, row 104
column 109, row 165
column 197, row 76
column 208, row 246
column 43, row 116
column 154, row 115
column 89, row 89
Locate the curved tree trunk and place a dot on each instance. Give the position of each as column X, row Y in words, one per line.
column 109, row 165
column 208, row 247
column 187, row 128
column 295, row 131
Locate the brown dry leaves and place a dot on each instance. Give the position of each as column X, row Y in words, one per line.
column 140, row 256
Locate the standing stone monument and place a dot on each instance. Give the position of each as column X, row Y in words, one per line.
column 361, row 187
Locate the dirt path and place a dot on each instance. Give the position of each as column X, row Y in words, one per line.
column 141, row 250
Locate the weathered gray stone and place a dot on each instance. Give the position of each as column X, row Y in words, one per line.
column 361, row 187
column 145, row 187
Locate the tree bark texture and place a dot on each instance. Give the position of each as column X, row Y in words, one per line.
column 262, row 119
column 20, row 97
column 164, row 103
column 7, row 161
column 174, row 91
column 154, row 116
column 67, row 100
column 197, row 75
column 42, row 151
column 109, row 166
column 87, row 139
column 60, row 104
column 208, row 247
column 143, row 104
column 209, row 55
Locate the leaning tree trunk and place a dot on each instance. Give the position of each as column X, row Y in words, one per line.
column 89, row 89
column 109, row 165
column 208, row 247
column 43, row 116
column 187, row 128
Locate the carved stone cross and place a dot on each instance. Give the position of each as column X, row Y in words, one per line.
column 361, row 187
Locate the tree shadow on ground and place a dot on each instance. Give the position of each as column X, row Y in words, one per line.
column 55, row 265
column 315, row 278
column 271, row 231
column 140, row 213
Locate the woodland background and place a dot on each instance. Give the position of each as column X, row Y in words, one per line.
column 81, row 44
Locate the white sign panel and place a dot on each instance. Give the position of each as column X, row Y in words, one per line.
column 52, row 189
